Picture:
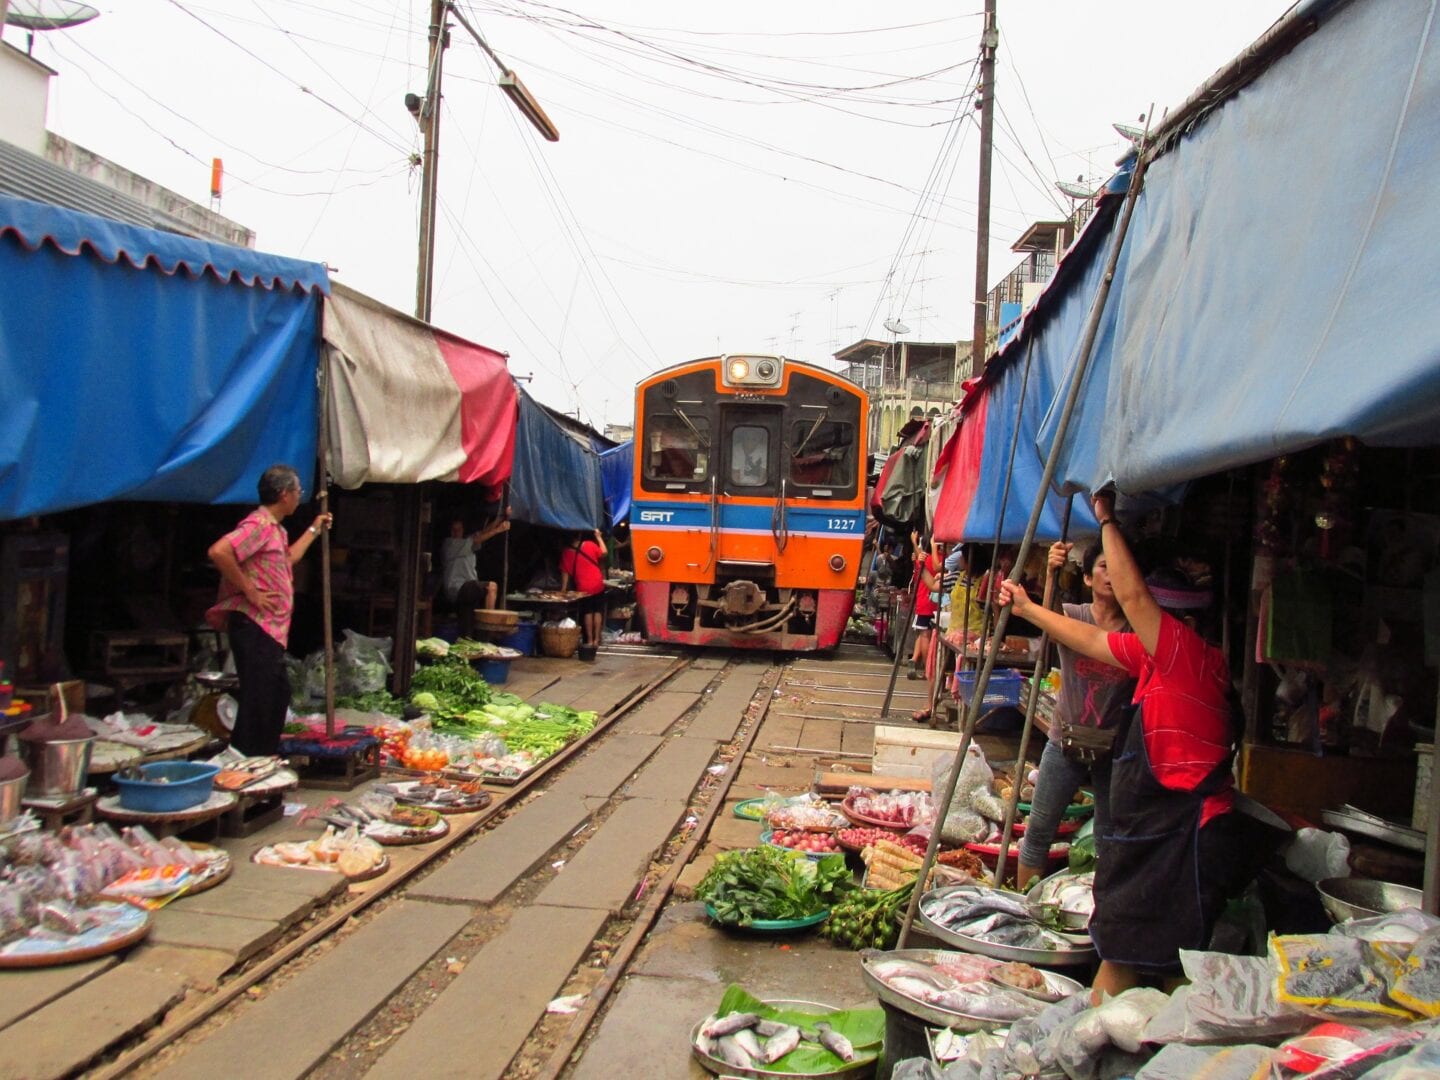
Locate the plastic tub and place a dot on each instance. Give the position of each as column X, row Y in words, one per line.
column 168, row 786
column 1002, row 689
column 493, row 672
column 522, row 640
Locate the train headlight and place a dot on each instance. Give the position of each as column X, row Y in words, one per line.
column 837, row 563
column 739, row 370
column 760, row 371
column 653, row 555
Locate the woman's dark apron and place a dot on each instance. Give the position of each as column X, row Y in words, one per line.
column 1147, row 880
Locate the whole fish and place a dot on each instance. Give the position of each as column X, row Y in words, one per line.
column 888, row 970
column 780, row 1044
column 732, row 1053
column 705, row 1044
column 768, row 1029
column 836, row 1043
column 728, row 1025
column 749, row 1042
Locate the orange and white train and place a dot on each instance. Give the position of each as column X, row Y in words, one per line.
column 748, row 507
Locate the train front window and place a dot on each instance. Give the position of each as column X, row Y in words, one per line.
column 823, row 454
column 749, row 456
column 677, row 448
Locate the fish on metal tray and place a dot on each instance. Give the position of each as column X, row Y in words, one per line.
column 732, row 1053
column 749, row 1042
column 887, row 970
column 729, row 1024
column 780, row 1044
column 836, row 1043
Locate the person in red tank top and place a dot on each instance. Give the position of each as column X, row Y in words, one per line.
column 580, row 563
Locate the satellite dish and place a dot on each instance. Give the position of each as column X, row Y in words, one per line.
column 47, row 14
column 1075, row 191
column 895, row 326
column 1133, row 132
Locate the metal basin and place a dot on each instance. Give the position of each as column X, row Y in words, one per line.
column 1360, row 898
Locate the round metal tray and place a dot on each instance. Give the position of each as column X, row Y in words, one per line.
column 1038, row 957
column 933, row 1014
column 771, row 926
column 863, row 1065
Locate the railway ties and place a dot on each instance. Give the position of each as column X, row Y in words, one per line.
column 451, row 974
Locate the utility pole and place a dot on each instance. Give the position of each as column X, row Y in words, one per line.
column 429, row 162
column 989, row 42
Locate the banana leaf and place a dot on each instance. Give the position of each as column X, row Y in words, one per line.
column 865, row 1028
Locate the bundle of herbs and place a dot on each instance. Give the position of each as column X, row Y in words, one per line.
column 868, row 918
column 448, row 687
column 768, row 883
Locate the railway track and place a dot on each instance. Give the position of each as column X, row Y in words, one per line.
column 383, row 1041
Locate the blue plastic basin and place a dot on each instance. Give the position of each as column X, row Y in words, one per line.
column 168, row 786
column 493, row 672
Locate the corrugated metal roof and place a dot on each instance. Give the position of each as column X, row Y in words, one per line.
column 30, row 176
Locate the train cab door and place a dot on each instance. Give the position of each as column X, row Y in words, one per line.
column 750, row 451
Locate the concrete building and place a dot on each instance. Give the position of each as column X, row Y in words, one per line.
column 37, row 164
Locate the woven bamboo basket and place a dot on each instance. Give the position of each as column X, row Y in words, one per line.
column 559, row 641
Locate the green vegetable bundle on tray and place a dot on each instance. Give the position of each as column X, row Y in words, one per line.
column 768, row 883
column 868, row 918
column 448, row 687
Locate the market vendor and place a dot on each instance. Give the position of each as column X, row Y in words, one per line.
column 580, row 563
column 256, row 600
column 1093, row 694
column 461, row 582
column 1169, row 858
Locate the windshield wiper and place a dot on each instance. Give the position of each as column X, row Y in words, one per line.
column 811, row 433
column 700, row 435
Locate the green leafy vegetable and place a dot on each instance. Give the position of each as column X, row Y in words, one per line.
column 381, row 701
column 454, row 688
column 771, row 883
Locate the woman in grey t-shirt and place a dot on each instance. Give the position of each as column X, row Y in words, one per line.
column 1091, row 694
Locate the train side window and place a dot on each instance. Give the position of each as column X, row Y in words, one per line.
column 749, row 456
column 822, row 455
column 676, row 450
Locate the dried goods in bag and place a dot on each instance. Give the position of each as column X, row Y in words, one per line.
column 1330, row 975
column 1413, row 974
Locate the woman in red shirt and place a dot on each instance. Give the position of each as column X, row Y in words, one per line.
column 1168, row 859
column 580, row 563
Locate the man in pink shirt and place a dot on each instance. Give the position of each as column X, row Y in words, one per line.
column 256, row 600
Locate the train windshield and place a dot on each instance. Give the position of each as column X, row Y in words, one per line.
column 749, row 456
column 677, row 447
column 822, row 453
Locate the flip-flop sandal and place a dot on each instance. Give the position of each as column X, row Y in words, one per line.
column 920, row 716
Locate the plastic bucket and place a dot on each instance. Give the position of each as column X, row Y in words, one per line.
column 493, row 671
column 168, row 786
column 57, row 768
column 522, row 640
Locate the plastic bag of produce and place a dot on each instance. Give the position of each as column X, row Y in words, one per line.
column 962, row 825
column 1316, row 854
column 1412, row 974
column 1229, row 999
column 1331, row 976
column 1209, row 1062
column 362, row 664
column 1028, row 1049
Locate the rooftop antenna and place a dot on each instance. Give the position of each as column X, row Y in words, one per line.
column 33, row 15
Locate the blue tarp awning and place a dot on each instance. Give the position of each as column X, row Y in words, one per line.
column 1273, row 290
column 144, row 365
column 555, row 481
column 617, row 472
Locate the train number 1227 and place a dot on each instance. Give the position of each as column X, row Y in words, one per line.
column 841, row 524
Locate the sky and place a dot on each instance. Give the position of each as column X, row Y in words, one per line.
column 748, row 177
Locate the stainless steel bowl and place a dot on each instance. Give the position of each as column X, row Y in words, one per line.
column 11, row 792
column 1360, row 898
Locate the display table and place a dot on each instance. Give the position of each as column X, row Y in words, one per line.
column 170, row 823
column 56, row 812
column 258, row 805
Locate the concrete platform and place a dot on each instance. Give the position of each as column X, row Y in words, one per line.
column 22, row 992
column 673, row 772
column 69, row 1033
column 692, row 681
column 481, row 872
column 481, row 1019
column 657, row 715
column 241, row 937
column 609, row 867
column 329, row 999
column 605, row 767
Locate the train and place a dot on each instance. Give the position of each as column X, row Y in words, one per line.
column 747, row 518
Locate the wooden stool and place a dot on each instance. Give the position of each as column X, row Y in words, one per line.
column 259, row 805
column 56, row 813
column 204, row 820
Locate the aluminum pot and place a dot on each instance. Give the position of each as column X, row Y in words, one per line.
column 11, row 792
column 57, row 768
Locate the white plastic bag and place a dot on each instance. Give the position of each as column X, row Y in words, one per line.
column 962, row 825
column 1229, row 998
column 1317, row 854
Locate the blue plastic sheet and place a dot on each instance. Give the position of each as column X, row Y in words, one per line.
column 556, row 481
column 147, row 366
column 617, row 472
